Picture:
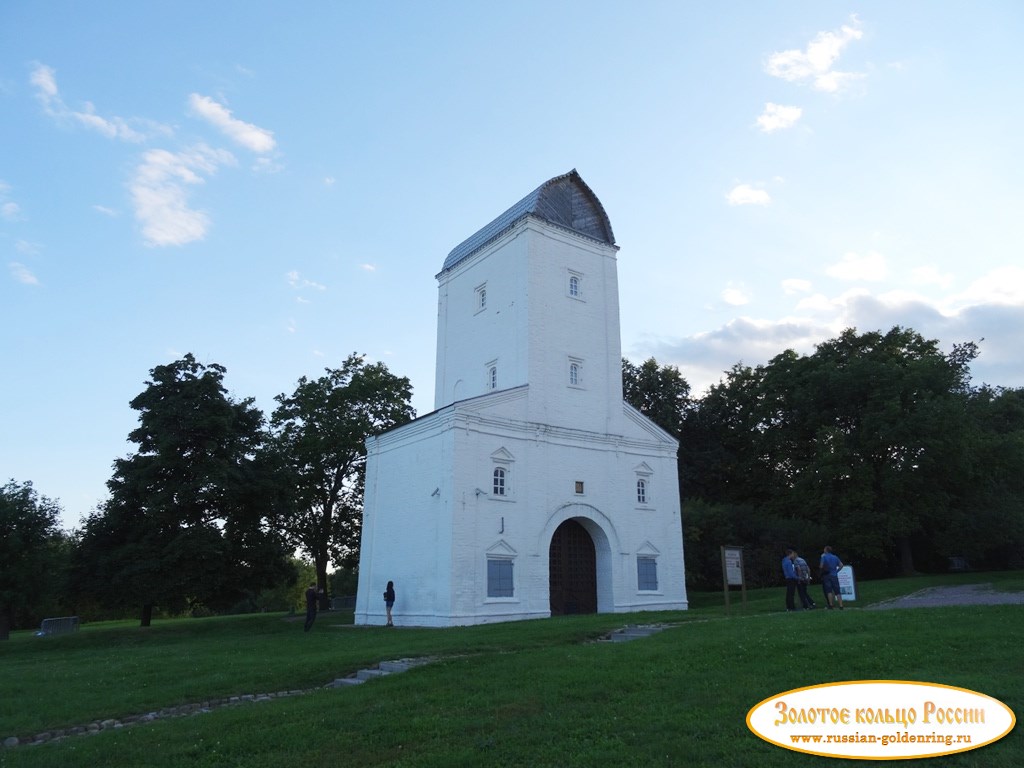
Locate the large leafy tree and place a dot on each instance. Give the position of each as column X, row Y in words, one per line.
column 31, row 542
column 320, row 433
column 658, row 391
column 866, row 436
column 189, row 518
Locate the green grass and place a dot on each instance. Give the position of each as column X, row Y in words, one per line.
column 521, row 694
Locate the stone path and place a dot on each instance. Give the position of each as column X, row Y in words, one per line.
column 968, row 594
column 383, row 669
column 56, row 734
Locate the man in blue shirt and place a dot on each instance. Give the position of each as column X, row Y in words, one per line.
column 830, row 567
column 789, row 574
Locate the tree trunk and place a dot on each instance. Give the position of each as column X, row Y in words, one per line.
column 147, row 615
column 906, row 556
column 321, row 584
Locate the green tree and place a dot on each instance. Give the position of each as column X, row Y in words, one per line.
column 189, row 518
column 659, row 392
column 320, row 433
column 866, row 435
column 31, row 543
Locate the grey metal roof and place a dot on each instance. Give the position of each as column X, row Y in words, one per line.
column 565, row 200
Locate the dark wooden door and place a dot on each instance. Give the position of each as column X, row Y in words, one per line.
column 572, row 570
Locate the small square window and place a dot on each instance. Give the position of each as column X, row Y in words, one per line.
column 579, row 486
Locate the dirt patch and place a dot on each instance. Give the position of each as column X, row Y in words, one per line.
column 968, row 594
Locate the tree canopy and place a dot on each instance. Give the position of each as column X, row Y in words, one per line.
column 30, row 544
column 874, row 436
column 188, row 521
column 320, row 433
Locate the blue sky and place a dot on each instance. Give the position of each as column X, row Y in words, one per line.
column 272, row 186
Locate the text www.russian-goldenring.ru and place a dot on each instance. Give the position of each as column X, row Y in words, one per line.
column 885, row 740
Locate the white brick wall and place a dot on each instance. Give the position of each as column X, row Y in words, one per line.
column 430, row 517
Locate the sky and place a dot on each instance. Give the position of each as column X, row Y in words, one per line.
column 272, row 186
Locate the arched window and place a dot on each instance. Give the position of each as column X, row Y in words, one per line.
column 492, row 377
column 499, row 481
column 574, row 374
column 641, row 491
column 574, row 286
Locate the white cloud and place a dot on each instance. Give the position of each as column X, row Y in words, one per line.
column 267, row 165
column 776, row 117
column 295, row 280
column 814, row 64
column 991, row 308
column 796, row 285
column 22, row 274
column 1004, row 286
column 368, row 267
column 870, row 266
column 24, row 246
column 250, row 136
column 744, row 194
column 329, row 181
column 735, row 296
column 159, row 192
column 929, row 275
column 44, row 79
column 816, row 303
column 9, row 209
column 105, row 211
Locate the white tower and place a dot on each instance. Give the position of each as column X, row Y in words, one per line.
column 532, row 489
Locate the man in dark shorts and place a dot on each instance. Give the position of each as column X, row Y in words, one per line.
column 831, row 565
column 311, row 600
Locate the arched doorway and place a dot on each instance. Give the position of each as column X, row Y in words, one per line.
column 572, row 570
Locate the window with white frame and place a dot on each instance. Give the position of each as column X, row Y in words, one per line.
column 491, row 375
column 647, row 573
column 575, row 372
column 481, row 297
column 575, row 285
column 501, row 474
column 643, row 484
column 499, row 577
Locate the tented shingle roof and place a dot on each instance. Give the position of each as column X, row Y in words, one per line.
column 564, row 200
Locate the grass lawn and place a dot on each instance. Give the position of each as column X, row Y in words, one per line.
column 520, row 694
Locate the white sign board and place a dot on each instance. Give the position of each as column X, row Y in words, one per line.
column 732, row 557
column 847, row 584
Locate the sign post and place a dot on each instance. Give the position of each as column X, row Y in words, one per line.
column 732, row 573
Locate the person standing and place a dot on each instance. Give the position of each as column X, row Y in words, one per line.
column 312, row 596
column 803, row 578
column 789, row 574
column 830, row 566
column 389, row 601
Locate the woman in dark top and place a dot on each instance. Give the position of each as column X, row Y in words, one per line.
column 389, row 600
